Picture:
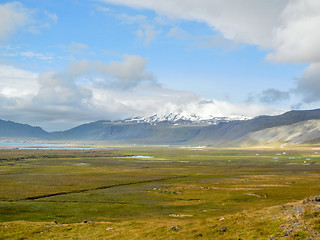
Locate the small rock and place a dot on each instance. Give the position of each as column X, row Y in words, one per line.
column 109, row 229
column 223, row 229
column 175, row 228
column 199, row 235
column 317, row 198
column 221, row 219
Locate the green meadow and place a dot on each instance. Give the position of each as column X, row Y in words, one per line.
column 178, row 193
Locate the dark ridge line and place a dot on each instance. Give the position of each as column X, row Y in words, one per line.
column 75, row 201
column 97, row 188
column 68, row 201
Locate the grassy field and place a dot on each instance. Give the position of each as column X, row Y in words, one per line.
column 180, row 193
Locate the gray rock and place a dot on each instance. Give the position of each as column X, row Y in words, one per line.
column 175, row 228
column 223, row 229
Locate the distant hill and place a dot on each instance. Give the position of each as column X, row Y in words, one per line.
column 10, row 129
column 290, row 127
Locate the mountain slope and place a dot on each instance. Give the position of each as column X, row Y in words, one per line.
column 105, row 130
column 144, row 133
column 16, row 130
column 301, row 132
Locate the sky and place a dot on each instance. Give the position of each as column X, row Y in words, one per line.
column 65, row 63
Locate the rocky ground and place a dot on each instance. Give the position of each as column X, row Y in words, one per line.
column 300, row 220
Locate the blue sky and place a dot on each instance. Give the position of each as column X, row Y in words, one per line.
column 63, row 63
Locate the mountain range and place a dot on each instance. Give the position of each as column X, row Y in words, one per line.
column 293, row 127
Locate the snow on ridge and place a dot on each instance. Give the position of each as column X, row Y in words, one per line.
column 179, row 118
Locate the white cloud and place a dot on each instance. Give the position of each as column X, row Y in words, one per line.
column 52, row 16
column 297, row 39
column 281, row 26
column 179, row 33
column 309, row 83
column 209, row 108
column 270, row 96
column 289, row 29
column 41, row 56
column 89, row 91
column 102, row 9
column 79, row 45
column 73, row 96
column 16, row 52
column 127, row 19
column 17, row 83
column 59, row 89
column 130, row 72
column 215, row 41
column 13, row 16
column 246, row 21
column 147, row 33
column 111, row 53
column 75, row 48
column 123, row 75
column 149, row 101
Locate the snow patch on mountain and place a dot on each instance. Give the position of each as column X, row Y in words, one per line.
column 180, row 118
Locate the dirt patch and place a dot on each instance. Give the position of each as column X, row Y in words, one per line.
column 263, row 185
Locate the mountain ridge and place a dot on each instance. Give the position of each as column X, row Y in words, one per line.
column 13, row 129
column 180, row 118
column 173, row 130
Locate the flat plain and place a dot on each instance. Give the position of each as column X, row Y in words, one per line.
column 160, row 193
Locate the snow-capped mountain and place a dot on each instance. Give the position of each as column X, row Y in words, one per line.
column 182, row 129
column 180, row 118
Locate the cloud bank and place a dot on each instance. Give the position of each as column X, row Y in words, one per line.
column 288, row 29
column 91, row 90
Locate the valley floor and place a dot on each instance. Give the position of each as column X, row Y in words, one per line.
column 160, row 193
